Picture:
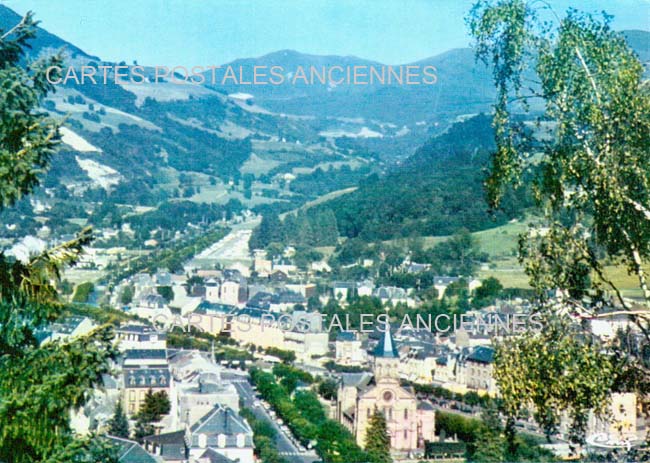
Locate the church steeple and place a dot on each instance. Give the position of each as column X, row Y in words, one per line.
column 386, row 357
column 386, row 347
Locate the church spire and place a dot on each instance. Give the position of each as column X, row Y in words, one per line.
column 386, row 347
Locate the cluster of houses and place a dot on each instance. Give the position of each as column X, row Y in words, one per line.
column 203, row 424
column 269, row 306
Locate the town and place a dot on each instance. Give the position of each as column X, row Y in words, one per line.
column 198, row 346
column 446, row 265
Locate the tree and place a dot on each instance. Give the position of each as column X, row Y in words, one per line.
column 592, row 185
column 489, row 446
column 269, row 231
column 166, row 292
column 119, row 424
column 377, row 443
column 328, row 389
column 126, row 297
column 487, row 293
column 39, row 384
column 154, row 406
column 83, row 291
column 460, row 254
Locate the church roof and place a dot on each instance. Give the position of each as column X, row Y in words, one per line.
column 386, row 347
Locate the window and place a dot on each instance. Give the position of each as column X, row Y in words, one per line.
column 406, row 414
column 241, row 440
column 406, row 434
column 203, row 440
column 152, row 380
column 368, row 413
column 221, row 440
column 163, row 380
column 132, row 381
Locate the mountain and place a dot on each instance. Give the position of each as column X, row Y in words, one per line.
column 639, row 41
column 437, row 190
column 44, row 42
column 141, row 147
column 462, row 86
column 129, row 151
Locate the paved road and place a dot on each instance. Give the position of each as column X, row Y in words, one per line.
column 232, row 248
column 284, row 444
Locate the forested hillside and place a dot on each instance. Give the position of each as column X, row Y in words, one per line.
column 437, row 191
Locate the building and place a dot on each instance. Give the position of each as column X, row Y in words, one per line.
column 169, row 447
column 261, row 264
column 129, row 451
column 419, row 363
column 348, row 349
column 201, row 395
column 286, row 300
column 223, row 431
column 300, row 332
column 410, row 423
column 132, row 336
column 212, row 318
column 65, row 329
column 342, row 290
column 477, row 370
column 226, row 291
column 152, row 307
column 391, row 295
column 142, row 370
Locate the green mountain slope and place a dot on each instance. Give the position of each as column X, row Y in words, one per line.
column 437, row 191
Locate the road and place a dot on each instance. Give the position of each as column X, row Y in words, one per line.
column 286, row 447
column 232, row 248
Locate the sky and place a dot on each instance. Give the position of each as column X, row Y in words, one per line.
column 213, row 32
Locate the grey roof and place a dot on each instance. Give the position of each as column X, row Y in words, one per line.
column 153, row 300
column 67, row 325
column 255, row 313
column 171, row 446
column 130, row 452
column 361, row 379
column 482, row 354
column 222, row 420
column 442, row 280
column 146, row 354
column 163, row 278
column 176, row 437
column 215, row 457
column 386, row 347
column 288, row 297
column 346, row 336
column 261, row 300
column 389, row 292
column 148, row 377
column 425, row 405
column 206, row 307
column 344, row 284
column 130, row 328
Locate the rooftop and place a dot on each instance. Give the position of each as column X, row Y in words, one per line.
column 386, row 347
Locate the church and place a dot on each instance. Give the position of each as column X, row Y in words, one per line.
column 410, row 422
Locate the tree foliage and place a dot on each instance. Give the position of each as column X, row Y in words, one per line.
column 40, row 384
column 119, row 423
column 591, row 179
column 377, row 443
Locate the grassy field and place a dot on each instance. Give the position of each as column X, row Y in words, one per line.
column 500, row 243
column 257, row 165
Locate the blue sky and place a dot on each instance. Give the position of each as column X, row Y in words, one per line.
column 206, row 32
